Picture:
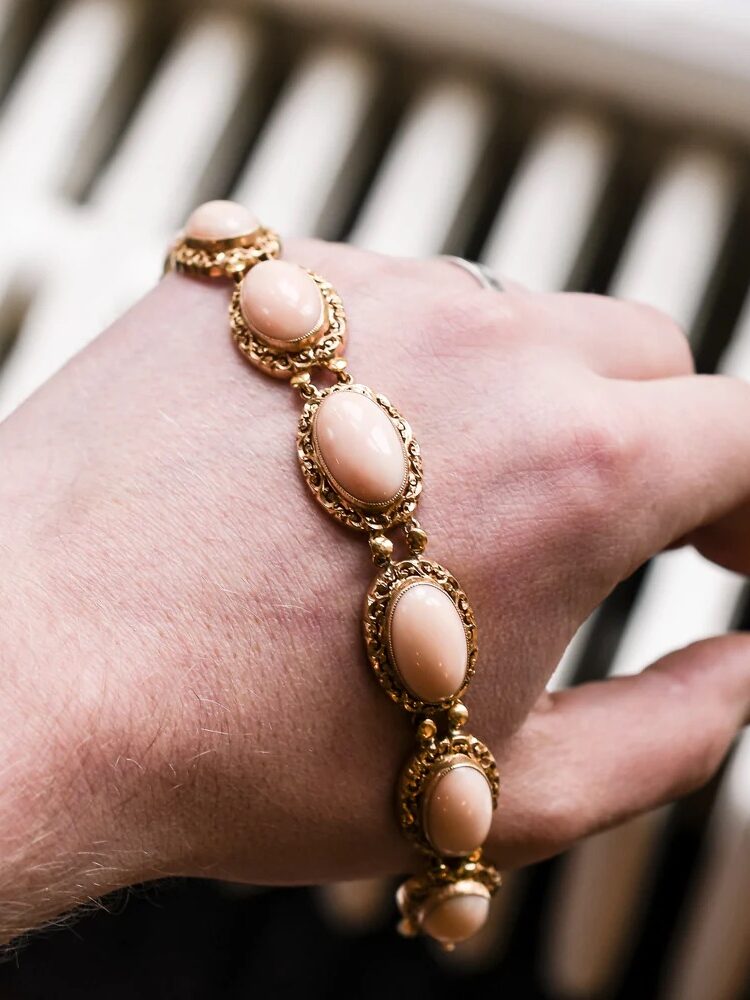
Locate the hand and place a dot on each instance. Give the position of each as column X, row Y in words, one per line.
column 183, row 688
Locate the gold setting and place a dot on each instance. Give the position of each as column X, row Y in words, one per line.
column 290, row 362
column 380, row 600
column 430, row 763
column 229, row 258
column 340, row 504
column 420, row 894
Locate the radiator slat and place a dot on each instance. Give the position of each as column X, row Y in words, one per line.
column 663, row 264
column 414, row 205
column 303, row 170
column 171, row 155
column 591, row 931
column 713, row 955
column 72, row 305
column 53, row 104
column 539, row 232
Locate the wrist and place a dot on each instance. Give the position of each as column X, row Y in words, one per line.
column 77, row 804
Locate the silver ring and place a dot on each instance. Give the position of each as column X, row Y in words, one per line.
column 480, row 272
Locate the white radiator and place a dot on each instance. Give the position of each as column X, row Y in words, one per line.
column 568, row 144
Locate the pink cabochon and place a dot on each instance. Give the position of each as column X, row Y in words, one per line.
column 220, row 220
column 456, row 918
column 428, row 642
column 360, row 447
column 458, row 811
column 280, row 301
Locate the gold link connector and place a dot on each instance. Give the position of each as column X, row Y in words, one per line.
column 416, row 536
column 303, row 383
column 426, row 730
column 381, row 549
column 458, row 716
column 338, row 367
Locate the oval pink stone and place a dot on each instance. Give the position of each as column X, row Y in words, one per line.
column 456, row 918
column 280, row 301
column 360, row 447
column 458, row 811
column 220, row 220
column 428, row 641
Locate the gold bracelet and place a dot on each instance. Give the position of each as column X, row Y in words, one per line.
column 362, row 464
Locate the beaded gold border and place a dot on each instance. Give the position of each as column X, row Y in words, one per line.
column 222, row 258
column 443, row 880
column 376, row 626
column 330, row 495
column 431, row 758
column 285, row 364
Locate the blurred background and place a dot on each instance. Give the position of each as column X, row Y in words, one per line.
column 598, row 145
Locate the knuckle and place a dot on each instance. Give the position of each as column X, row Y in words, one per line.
column 670, row 333
column 597, row 457
column 484, row 326
column 489, row 317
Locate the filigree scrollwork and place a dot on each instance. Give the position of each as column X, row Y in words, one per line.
column 329, row 494
column 377, row 630
column 222, row 258
column 429, row 760
column 285, row 364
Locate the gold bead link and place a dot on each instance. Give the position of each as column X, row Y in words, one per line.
column 416, row 536
column 381, row 548
column 458, row 716
column 442, row 743
column 304, row 385
column 426, row 731
column 339, row 368
column 302, row 381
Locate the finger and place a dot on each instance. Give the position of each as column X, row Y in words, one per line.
column 477, row 276
column 596, row 755
column 614, row 338
column 688, row 458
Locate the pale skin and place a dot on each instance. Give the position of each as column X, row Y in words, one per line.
column 183, row 688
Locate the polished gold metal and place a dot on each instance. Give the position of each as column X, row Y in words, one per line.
column 330, row 495
column 376, row 623
column 426, row 730
column 418, row 895
column 381, row 548
column 287, row 363
column 432, row 760
column 338, row 367
column 416, row 536
column 458, row 716
column 229, row 258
